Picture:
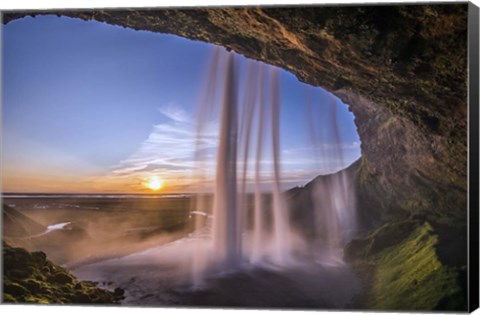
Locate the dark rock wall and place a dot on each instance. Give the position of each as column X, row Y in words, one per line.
column 404, row 170
column 402, row 69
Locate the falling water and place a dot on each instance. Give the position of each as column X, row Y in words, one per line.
column 281, row 229
column 258, row 224
column 245, row 134
column 225, row 226
column 251, row 221
column 333, row 196
column 201, row 200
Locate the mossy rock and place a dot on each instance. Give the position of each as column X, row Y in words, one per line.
column 61, row 278
column 401, row 267
column 82, row 298
column 119, row 292
column 39, row 257
column 8, row 298
column 15, row 289
column 18, row 274
column 32, row 278
column 386, row 236
column 16, row 258
column 33, row 286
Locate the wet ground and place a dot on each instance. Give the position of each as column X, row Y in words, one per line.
column 161, row 276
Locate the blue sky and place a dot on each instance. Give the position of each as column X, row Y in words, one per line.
column 90, row 107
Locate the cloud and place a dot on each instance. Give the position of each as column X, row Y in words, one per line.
column 169, row 151
column 168, row 145
column 173, row 147
column 175, row 113
column 351, row 146
column 326, row 158
column 329, row 147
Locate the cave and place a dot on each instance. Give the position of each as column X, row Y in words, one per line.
column 403, row 74
column 413, row 144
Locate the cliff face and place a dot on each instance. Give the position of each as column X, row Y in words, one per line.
column 402, row 69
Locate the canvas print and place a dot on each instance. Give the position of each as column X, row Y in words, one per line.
column 297, row 157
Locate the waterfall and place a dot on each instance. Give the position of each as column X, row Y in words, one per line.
column 250, row 216
column 333, row 196
column 225, row 236
column 258, row 218
column 281, row 228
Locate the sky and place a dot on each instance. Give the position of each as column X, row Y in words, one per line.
column 93, row 108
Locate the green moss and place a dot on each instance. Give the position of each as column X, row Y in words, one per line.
column 32, row 278
column 410, row 275
column 8, row 298
column 386, row 124
column 61, row 278
column 37, row 300
column 403, row 271
column 363, row 170
column 33, row 285
column 14, row 289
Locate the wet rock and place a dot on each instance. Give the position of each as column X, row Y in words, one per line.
column 33, row 286
column 61, row 278
column 18, row 274
column 119, row 293
column 81, row 298
column 8, row 298
column 15, row 289
column 39, row 257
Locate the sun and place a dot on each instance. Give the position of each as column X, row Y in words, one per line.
column 153, row 183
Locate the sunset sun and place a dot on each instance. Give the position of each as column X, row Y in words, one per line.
column 153, row 183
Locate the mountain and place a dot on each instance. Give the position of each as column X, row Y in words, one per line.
column 16, row 224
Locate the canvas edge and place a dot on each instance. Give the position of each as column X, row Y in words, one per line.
column 473, row 213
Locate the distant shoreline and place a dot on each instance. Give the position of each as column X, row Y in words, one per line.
column 40, row 195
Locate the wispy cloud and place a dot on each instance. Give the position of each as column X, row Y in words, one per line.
column 170, row 153
column 169, row 150
column 175, row 113
column 327, row 147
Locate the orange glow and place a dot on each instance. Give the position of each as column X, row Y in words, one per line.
column 153, row 183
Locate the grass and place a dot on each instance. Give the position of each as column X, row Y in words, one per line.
column 403, row 270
